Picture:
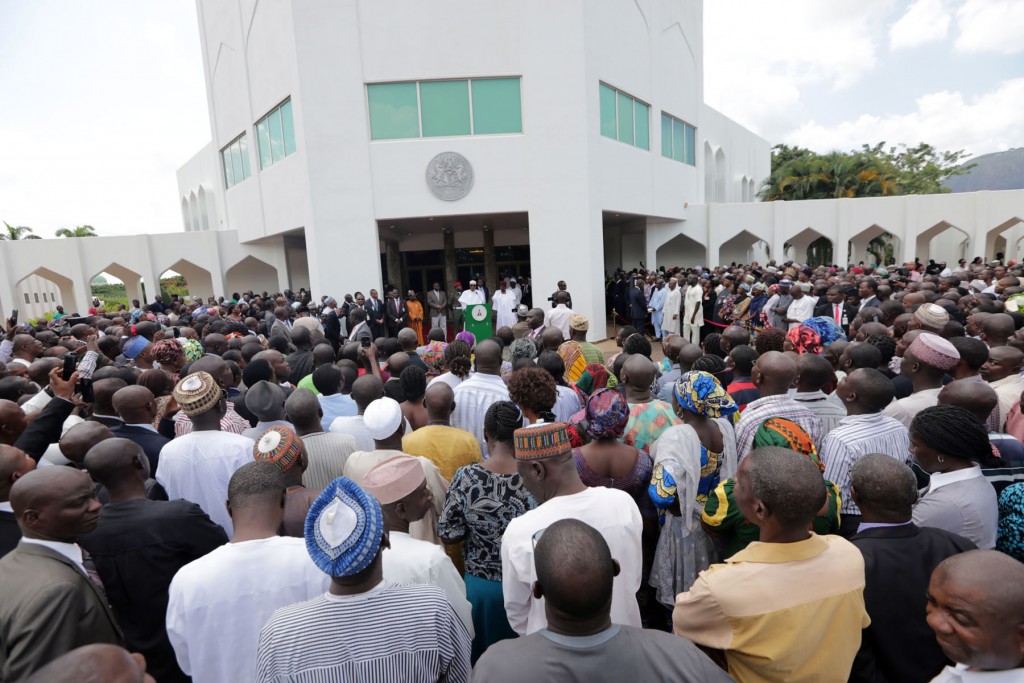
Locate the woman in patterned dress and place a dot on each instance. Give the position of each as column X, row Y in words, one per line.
column 482, row 499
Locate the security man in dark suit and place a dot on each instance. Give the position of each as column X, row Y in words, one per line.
column 14, row 464
column 834, row 306
column 51, row 599
column 899, row 558
column 395, row 311
column 136, row 406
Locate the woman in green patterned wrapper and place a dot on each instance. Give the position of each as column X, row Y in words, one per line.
column 722, row 517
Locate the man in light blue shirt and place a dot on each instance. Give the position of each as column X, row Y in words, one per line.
column 330, row 381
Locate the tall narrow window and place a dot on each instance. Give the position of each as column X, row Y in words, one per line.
column 275, row 134
column 678, row 139
column 624, row 118
column 444, row 107
column 235, row 158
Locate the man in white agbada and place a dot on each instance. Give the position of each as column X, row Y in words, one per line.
column 656, row 306
column 471, row 296
column 218, row 603
column 400, row 487
column 671, row 309
column 693, row 313
column 504, row 304
column 544, row 461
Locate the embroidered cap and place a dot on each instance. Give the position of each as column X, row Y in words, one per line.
column 933, row 350
column 542, row 442
column 279, row 446
column 197, row 393
column 344, row 528
column 391, row 480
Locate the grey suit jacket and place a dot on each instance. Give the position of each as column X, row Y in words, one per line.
column 48, row 607
column 280, row 329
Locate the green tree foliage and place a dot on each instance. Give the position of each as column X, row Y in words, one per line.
column 17, row 232
column 872, row 171
column 79, row 231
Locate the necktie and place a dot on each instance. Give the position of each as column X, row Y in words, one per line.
column 90, row 570
column 838, row 320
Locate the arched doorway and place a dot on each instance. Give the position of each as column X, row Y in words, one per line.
column 943, row 242
column 740, row 248
column 873, row 245
column 811, row 247
column 41, row 291
column 1001, row 236
column 682, row 251
column 184, row 278
column 251, row 273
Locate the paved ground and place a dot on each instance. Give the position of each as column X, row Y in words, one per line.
column 610, row 349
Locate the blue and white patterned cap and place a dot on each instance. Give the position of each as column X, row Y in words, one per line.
column 344, row 528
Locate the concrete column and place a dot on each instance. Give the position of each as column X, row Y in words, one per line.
column 490, row 261
column 451, row 274
column 394, row 259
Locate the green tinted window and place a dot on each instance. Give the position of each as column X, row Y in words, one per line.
column 229, row 175
column 497, row 107
column 625, row 111
column 287, row 127
column 677, row 140
column 394, row 111
column 263, row 141
column 691, row 145
column 666, row 136
column 276, row 136
column 243, row 148
column 641, row 116
column 444, row 106
column 608, row 128
column 236, row 163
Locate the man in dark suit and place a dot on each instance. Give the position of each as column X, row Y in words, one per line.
column 136, row 406
column 899, row 558
column 138, row 547
column 14, row 464
column 868, row 292
column 359, row 326
column 331, row 322
column 394, row 313
column 834, row 306
column 49, row 604
column 375, row 314
column 34, row 437
column 638, row 305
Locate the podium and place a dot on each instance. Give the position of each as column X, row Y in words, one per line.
column 478, row 321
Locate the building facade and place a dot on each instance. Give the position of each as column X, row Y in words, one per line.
column 372, row 142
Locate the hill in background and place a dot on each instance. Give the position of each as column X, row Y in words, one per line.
column 996, row 171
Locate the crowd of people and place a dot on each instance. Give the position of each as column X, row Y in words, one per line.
column 780, row 473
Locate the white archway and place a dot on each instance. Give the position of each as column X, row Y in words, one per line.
column 204, row 215
column 185, row 218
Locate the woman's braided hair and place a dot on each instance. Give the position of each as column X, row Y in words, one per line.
column 954, row 432
column 501, row 421
column 457, row 358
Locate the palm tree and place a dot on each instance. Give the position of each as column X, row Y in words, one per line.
column 879, row 247
column 80, row 231
column 19, row 232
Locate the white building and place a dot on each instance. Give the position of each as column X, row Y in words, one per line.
column 367, row 142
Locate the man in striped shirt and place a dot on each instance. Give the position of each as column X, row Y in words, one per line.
column 865, row 393
column 364, row 628
column 773, row 374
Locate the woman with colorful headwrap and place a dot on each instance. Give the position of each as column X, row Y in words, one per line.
column 193, row 350
column 467, row 337
column 803, row 339
column 170, row 355
column 722, row 517
column 572, row 355
column 607, row 461
column 433, row 358
column 689, row 461
column 828, row 330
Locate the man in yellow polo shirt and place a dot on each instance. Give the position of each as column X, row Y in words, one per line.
column 789, row 607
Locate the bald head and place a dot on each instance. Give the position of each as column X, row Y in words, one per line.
column 407, row 339
column 114, row 462
column 688, row 355
column 488, row 357
column 439, row 401
column 983, row 588
column 788, row 486
column 55, row 503
column 103, row 392
column 774, row 373
column 398, row 362
column 638, row 372
column 997, row 328
column 674, row 346
column 1003, row 361
column 135, row 404
column 12, row 421
column 869, row 389
column 80, row 438
column 303, row 409
column 884, row 488
column 97, row 663
column 977, row 398
column 734, row 335
column 215, row 343
column 552, row 338
column 575, row 571
column 14, row 464
column 366, row 390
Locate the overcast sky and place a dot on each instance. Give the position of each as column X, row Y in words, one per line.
column 102, row 100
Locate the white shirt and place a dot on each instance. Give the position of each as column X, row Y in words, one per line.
column 567, row 404
column 559, row 317
column 854, row 437
column 470, row 297
column 613, row 513
column 472, row 399
column 449, row 379
column 355, row 427
column 801, row 309
column 960, row 674
column 409, row 560
column 198, row 466
column 219, row 603
column 504, row 305
column 906, row 408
